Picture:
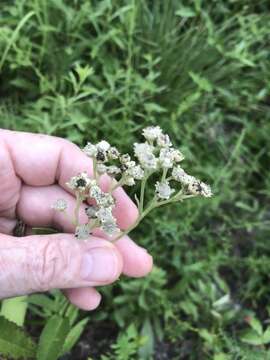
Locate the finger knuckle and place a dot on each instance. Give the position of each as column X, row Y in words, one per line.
column 51, row 259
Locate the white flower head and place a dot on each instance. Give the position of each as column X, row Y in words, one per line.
column 90, row 150
column 128, row 180
column 181, row 176
column 80, row 182
column 135, row 172
column 91, row 211
column 198, row 187
column 166, row 158
column 142, row 148
column 206, row 190
column 101, row 168
column 178, row 173
column 163, row 190
column 164, row 140
column 177, row 155
column 110, row 228
column 105, row 200
column 149, row 162
column 151, row 133
column 95, row 192
column 145, row 155
column 130, row 164
column 103, row 146
column 60, row 205
column 113, row 170
column 125, row 158
column 105, row 214
column 82, row 232
column 113, row 153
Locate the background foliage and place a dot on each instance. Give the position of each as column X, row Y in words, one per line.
column 89, row 70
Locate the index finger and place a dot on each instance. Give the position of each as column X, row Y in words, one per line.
column 42, row 160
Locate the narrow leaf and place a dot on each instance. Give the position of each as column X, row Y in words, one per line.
column 266, row 336
column 74, row 335
column 52, row 338
column 147, row 350
column 185, row 12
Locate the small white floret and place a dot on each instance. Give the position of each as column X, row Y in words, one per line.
column 90, row 150
column 110, row 228
column 151, row 133
column 164, row 140
column 103, row 146
column 163, row 190
column 82, row 232
column 60, row 205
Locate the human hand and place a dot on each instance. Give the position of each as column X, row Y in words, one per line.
column 34, row 170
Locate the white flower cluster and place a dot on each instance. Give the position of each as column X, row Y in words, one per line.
column 102, row 151
column 157, row 152
column 104, row 154
column 102, row 211
column 85, row 187
column 155, row 155
column 193, row 185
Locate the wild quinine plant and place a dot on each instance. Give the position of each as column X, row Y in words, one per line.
column 154, row 156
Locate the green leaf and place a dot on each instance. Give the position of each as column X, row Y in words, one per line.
column 207, row 336
column 14, row 342
column 266, row 336
column 154, row 108
column 186, row 12
column 256, row 325
column 84, row 72
column 188, row 103
column 147, row 350
column 222, row 302
column 221, row 356
column 251, row 337
column 43, row 301
column 74, row 335
column 52, row 338
column 202, row 82
column 15, row 309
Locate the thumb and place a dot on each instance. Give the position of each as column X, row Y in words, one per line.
column 40, row 263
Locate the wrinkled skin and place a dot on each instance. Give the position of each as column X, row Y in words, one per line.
column 34, row 170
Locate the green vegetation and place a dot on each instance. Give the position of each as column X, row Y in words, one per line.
column 88, row 70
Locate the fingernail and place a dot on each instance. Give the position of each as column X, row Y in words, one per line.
column 99, row 264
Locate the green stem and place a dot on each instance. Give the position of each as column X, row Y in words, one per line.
column 77, row 209
column 115, row 185
column 93, row 223
column 95, row 168
column 164, row 174
column 141, row 201
column 153, row 205
column 141, row 216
